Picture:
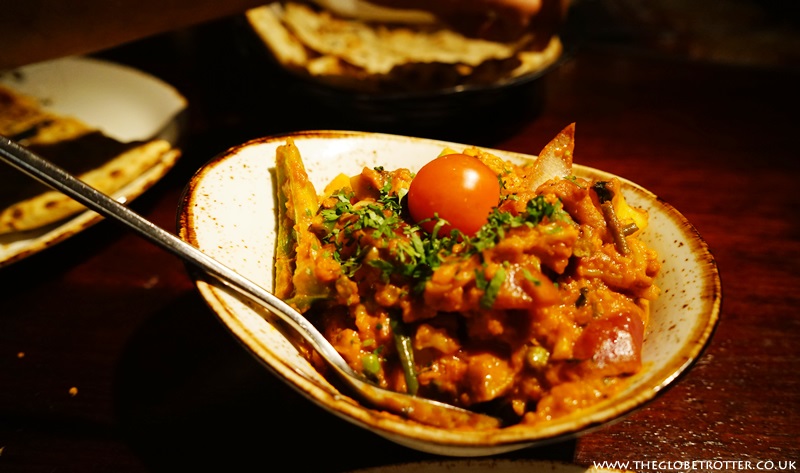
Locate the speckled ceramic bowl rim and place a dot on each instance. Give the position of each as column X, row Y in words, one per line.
column 470, row 443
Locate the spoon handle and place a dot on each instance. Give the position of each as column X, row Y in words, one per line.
column 51, row 175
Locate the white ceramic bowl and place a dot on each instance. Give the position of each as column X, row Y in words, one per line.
column 229, row 212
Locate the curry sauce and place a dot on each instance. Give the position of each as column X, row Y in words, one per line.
column 542, row 312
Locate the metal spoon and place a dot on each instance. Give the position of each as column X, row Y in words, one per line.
column 420, row 409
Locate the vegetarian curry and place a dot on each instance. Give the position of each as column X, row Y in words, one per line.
column 536, row 312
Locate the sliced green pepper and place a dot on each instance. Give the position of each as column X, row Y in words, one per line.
column 297, row 246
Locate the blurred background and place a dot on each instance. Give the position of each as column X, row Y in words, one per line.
column 732, row 33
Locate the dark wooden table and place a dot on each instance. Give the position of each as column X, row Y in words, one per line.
column 160, row 386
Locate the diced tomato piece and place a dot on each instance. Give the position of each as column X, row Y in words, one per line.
column 614, row 341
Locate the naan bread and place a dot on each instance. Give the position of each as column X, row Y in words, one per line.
column 97, row 159
column 377, row 56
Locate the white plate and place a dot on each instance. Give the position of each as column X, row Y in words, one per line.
column 124, row 103
column 229, row 212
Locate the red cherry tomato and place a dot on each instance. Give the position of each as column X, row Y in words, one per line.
column 459, row 188
column 614, row 343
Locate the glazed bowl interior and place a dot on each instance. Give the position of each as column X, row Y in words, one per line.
column 229, row 212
